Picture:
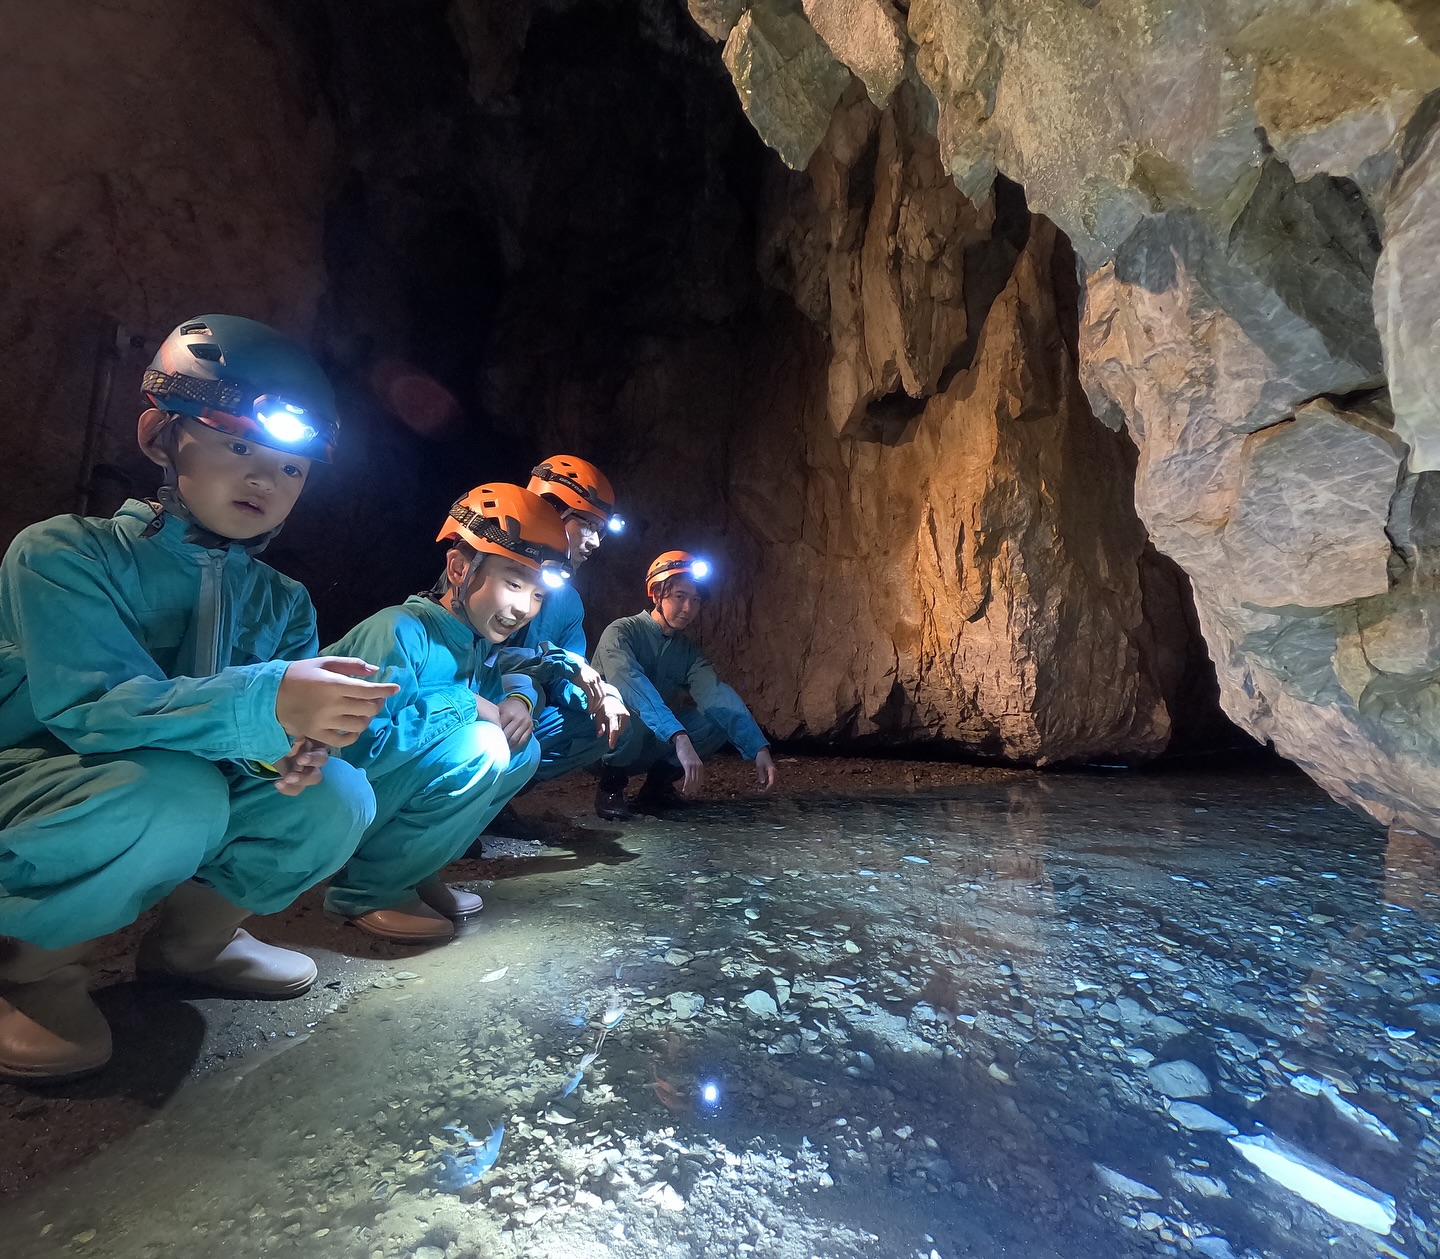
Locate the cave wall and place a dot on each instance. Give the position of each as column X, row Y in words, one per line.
column 128, row 204
column 922, row 534
column 1251, row 190
column 543, row 226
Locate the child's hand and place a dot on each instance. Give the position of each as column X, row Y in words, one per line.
column 589, row 680
column 611, row 717
column 515, row 721
column 302, row 768
column 327, row 701
column 486, row 711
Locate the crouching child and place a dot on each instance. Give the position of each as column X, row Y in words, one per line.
column 442, row 756
column 164, row 719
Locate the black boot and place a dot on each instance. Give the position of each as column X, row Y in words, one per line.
column 658, row 790
column 610, row 796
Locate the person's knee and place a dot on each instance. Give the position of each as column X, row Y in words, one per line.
column 176, row 782
column 489, row 746
column 177, row 806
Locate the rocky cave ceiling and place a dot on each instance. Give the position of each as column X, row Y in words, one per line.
column 1033, row 316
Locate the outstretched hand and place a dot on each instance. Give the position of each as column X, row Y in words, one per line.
column 764, row 769
column 611, row 716
column 327, row 700
column 691, row 763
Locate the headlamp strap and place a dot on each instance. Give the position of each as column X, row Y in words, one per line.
column 546, row 473
column 228, row 396
column 507, row 535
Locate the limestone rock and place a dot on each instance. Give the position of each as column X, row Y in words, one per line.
column 787, row 79
column 1308, row 523
column 866, row 37
column 716, row 18
column 1407, row 304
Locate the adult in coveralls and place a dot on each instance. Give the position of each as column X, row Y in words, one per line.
column 163, row 719
column 439, row 756
column 654, row 665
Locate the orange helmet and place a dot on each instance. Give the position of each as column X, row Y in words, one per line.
column 674, row 564
column 498, row 519
column 575, row 485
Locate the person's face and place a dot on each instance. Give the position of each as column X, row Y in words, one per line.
column 232, row 486
column 680, row 604
column 505, row 597
column 585, row 533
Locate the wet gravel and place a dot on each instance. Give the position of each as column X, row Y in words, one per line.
column 895, row 1010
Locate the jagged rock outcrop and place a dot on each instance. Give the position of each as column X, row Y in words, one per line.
column 1252, row 191
column 943, row 567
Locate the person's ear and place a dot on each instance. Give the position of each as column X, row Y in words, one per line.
column 457, row 564
column 155, row 433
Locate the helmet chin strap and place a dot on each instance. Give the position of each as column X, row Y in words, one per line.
column 167, row 501
column 664, row 620
column 459, row 595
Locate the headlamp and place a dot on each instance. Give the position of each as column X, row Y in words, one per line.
column 552, row 575
column 284, row 421
column 616, row 524
column 700, row 570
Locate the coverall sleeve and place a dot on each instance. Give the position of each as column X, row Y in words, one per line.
column 528, row 670
column 301, row 640
column 93, row 684
column 720, row 702
column 412, row 718
column 615, row 659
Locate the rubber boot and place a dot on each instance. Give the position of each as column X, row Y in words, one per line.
column 658, row 790
column 50, row 1029
column 610, row 796
column 455, row 903
column 199, row 938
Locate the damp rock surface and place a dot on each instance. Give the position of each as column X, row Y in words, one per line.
column 986, row 1067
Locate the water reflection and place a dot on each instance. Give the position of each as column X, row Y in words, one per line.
column 1076, row 1017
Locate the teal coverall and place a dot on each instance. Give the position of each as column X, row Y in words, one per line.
column 439, row 772
column 651, row 670
column 138, row 675
column 563, row 724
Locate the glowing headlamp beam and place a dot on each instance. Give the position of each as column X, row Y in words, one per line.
column 700, row 569
column 552, row 578
column 286, row 424
column 615, row 524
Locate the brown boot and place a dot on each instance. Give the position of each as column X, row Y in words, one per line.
column 199, row 938
column 455, row 903
column 411, row 922
column 50, row 1029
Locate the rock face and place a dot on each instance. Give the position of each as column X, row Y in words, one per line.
column 936, row 563
column 923, row 534
column 126, row 207
column 1252, row 191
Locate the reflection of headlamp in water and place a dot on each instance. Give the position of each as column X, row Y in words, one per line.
column 284, row 421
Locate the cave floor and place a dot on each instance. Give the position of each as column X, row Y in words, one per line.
column 939, row 1012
